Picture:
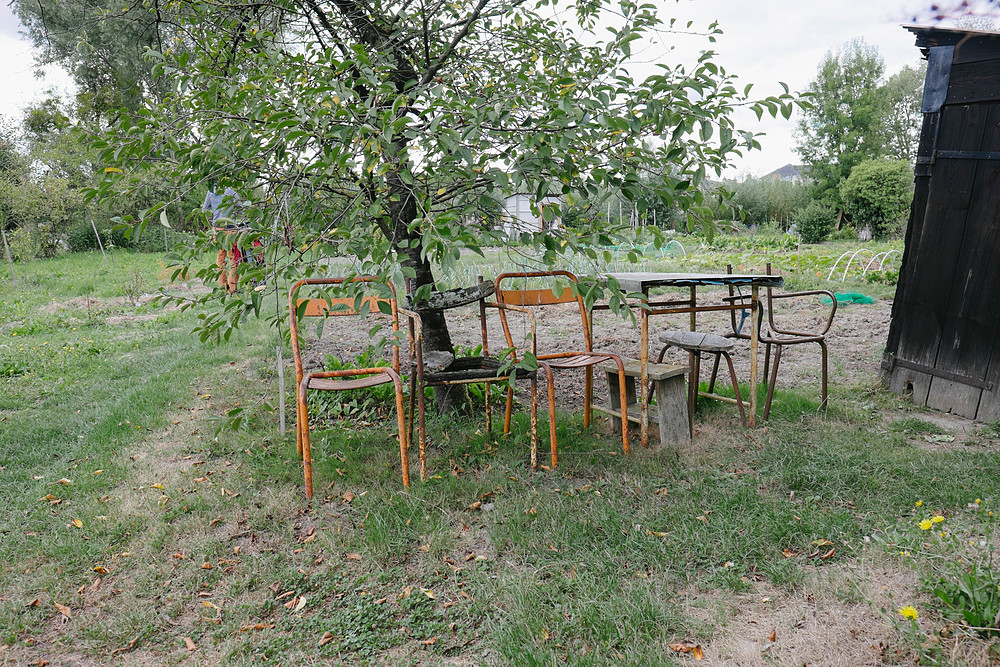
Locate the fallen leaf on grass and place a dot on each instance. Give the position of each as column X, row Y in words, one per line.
column 206, row 566
column 428, row 642
column 128, row 647
column 190, row 644
column 687, row 647
column 33, row 603
column 352, row 556
column 257, row 626
column 326, row 638
column 788, row 553
column 348, row 496
column 773, row 637
column 822, row 543
column 77, row 523
column 828, row 554
column 100, row 569
column 64, row 481
column 64, row 610
column 428, row 592
column 48, row 497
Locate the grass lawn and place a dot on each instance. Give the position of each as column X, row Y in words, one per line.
column 133, row 533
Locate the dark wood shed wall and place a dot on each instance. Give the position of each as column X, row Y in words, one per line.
column 943, row 343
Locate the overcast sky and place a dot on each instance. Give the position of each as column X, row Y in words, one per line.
column 765, row 41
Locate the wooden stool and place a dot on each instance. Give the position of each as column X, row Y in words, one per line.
column 697, row 343
column 671, row 402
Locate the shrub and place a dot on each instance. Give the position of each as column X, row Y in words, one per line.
column 815, row 222
column 25, row 244
column 878, row 194
column 81, row 237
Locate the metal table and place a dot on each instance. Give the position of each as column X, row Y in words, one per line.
column 643, row 282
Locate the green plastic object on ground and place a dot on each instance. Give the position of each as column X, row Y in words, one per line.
column 850, row 297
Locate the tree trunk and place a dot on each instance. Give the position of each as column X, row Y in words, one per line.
column 436, row 336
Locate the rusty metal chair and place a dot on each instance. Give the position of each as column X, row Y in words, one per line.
column 779, row 337
column 549, row 361
column 345, row 379
column 445, row 369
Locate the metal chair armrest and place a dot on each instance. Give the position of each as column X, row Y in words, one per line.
column 817, row 335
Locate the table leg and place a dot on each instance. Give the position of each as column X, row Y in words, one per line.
column 644, row 373
column 754, row 336
column 694, row 304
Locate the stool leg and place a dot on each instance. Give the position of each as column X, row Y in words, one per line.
column 715, row 372
column 694, row 361
column 736, row 387
column 774, row 378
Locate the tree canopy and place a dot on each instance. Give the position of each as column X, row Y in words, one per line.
column 384, row 130
column 843, row 125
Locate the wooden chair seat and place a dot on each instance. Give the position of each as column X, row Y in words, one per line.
column 471, row 369
column 697, row 340
column 326, row 384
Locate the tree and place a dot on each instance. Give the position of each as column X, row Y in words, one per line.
column 878, row 194
column 843, row 125
column 379, row 130
column 102, row 43
column 901, row 122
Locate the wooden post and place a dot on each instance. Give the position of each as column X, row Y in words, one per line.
column 6, row 249
column 100, row 244
column 754, row 337
column 281, row 393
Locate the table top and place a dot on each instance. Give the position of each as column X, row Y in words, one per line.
column 640, row 281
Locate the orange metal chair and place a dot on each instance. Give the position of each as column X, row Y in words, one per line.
column 549, row 361
column 346, row 379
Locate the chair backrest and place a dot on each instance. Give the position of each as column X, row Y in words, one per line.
column 744, row 314
column 338, row 306
column 540, row 297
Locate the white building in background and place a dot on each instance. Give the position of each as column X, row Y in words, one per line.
column 519, row 216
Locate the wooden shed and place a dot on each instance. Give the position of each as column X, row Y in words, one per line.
column 943, row 345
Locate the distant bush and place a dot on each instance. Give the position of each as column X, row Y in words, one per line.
column 844, row 234
column 878, row 194
column 81, row 237
column 815, row 222
column 25, row 243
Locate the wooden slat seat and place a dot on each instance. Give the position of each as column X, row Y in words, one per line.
column 697, row 340
column 325, row 384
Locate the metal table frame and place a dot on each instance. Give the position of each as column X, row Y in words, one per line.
column 643, row 282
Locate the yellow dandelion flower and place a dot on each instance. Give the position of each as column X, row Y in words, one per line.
column 978, row 500
column 926, row 524
column 937, row 518
column 920, row 503
column 908, row 613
